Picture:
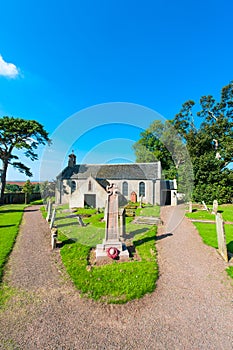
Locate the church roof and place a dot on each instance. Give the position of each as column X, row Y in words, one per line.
column 130, row 171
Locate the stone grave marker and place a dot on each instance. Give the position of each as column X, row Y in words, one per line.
column 81, row 223
column 222, row 247
column 54, row 238
column 190, row 207
column 112, row 236
column 53, row 218
column 205, row 206
column 49, row 212
column 122, row 222
column 215, row 207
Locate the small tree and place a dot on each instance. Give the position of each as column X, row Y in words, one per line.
column 20, row 134
column 47, row 189
column 27, row 189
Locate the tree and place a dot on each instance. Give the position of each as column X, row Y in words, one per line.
column 27, row 189
column 36, row 188
column 19, row 134
column 47, row 189
column 210, row 146
column 161, row 142
column 13, row 188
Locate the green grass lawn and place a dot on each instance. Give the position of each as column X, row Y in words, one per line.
column 208, row 231
column 209, row 235
column 226, row 210
column 10, row 219
column 117, row 282
column 148, row 210
column 94, row 231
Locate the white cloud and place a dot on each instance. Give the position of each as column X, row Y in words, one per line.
column 8, row 69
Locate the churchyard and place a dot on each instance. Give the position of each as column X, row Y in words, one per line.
column 111, row 281
column 115, row 282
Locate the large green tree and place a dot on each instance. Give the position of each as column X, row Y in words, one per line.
column 210, row 145
column 19, row 134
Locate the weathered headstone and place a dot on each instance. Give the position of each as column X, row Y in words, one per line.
column 54, row 238
column 112, row 236
column 47, row 206
column 215, row 207
column 222, row 247
column 81, row 223
column 53, row 218
column 122, row 222
column 190, row 207
column 49, row 212
column 205, row 206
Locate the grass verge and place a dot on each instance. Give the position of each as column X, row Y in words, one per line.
column 10, row 219
column 208, row 231
column 116, row 282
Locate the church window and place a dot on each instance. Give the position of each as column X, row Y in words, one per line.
column 142, row 191
column 125, row 188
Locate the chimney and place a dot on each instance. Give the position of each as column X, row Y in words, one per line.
column 72, row 160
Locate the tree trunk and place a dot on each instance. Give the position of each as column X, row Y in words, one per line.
column 3, row 181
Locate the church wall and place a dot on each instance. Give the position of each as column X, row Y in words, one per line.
column 74, row 191
column 87, row 187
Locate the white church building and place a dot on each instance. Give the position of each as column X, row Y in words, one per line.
column 82, row 185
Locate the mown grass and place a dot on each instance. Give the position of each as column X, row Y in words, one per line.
column 208, row 231
column 148, row 211
column 230, row 271
column 226, row 210
column 10, row 219
column 94, row 231
column 117, row 282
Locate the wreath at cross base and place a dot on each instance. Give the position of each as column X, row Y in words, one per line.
column 112, row 252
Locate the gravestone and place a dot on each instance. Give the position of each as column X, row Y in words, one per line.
column 112, row 236
column 54, row 238
column 205, row 206
column 122, row 222
column 215, row 207
column 49, row 212
column 47, row 206
column 222, row 247
column 81, row 223
column 53, row 218
column 190, row 207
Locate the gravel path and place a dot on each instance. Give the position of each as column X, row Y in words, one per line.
column 192, row 306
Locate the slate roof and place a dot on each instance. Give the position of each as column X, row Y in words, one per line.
column 130, row 171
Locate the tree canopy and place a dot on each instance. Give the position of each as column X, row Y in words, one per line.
column 210, row 145
column 19, row 134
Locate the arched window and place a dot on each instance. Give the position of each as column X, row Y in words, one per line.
column 89, row 186
column 142, row 191
column 125, row 188
column 73, row 186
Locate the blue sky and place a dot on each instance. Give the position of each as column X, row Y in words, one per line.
column 71, row 55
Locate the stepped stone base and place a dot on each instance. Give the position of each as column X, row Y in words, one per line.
column 101, row 250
